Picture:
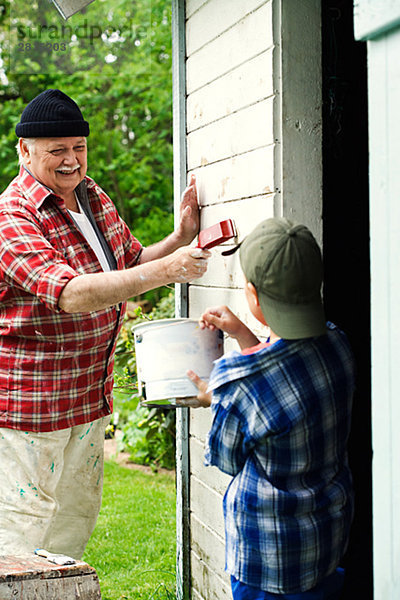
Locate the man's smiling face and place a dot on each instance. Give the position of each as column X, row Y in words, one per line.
column 58, row 163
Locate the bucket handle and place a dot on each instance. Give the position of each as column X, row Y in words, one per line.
column 162, row 325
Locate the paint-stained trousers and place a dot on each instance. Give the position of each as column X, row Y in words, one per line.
column 50, row 488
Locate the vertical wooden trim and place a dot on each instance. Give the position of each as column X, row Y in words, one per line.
column 179, row 99
column 299, row 111
column 277, row 122
column 181, row 303
column 384, row 148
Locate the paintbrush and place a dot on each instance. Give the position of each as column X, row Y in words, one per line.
column 216, row 234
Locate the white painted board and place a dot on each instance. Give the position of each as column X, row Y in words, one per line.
column 211, row 476
column 192, row 6
column 206, row 504
column 245, row 213
column 201, row 298
column 248, row 38
column 241, row 132
column 209, row 546
column 238, row 177
column 206, row 583
column 247, row 84
column 212, row 19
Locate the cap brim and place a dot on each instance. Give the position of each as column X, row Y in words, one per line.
column 293, row 321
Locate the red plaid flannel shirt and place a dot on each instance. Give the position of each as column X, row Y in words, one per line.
column 56, row 369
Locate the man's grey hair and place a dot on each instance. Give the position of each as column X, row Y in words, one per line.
column 29, row 142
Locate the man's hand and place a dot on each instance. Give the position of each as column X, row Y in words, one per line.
column 189, row 213
column 186, row 264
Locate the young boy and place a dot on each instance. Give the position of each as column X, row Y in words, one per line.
column 281, row 420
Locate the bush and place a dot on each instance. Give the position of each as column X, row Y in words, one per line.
column 148, row 433
column 149, row 437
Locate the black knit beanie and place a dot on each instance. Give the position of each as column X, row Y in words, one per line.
column 52, row 114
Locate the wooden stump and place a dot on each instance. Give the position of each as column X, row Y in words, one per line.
column 31, row 577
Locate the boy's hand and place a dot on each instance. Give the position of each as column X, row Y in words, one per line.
column 203, row 398
column 221, row 317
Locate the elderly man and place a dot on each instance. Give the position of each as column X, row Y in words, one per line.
column 67, row 264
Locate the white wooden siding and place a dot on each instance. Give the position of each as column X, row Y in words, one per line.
column 371, row 19
column 192, row 6
column 240, row 115
column 241, row 132
column 209, row 23
column 230, row 148
column 238, row 177
column 233, row 47
column 245, row 85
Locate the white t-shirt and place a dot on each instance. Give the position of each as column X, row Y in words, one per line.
column 85, row 227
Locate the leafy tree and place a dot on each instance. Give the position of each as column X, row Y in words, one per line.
column 116, row 64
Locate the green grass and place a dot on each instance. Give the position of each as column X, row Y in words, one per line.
column 133, row 545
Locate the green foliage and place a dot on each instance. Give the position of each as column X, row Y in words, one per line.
column 128, row 102
column 165, row 309
column 133, row 545
column 157, row 225
column 148, row 433
column 149, row 437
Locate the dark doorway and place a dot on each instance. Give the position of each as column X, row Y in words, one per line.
column 346, row 253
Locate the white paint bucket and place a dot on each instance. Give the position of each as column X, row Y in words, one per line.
column 165, row 350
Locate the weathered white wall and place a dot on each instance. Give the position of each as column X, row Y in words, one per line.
column 253, row 139
column 230, row 148
column 384, row 148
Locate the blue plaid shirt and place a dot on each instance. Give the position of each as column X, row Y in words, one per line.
column 281, row 420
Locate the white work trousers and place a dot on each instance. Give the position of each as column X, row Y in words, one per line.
column 50, row 488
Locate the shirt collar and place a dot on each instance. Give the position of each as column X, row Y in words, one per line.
column 33, row 189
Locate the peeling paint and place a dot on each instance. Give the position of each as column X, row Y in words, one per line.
column 223, row 186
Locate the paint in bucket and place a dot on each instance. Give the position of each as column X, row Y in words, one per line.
column 165, row 350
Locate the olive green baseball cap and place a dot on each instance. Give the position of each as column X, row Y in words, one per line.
column 283, row 261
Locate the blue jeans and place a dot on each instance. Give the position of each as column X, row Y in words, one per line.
column 329, row 589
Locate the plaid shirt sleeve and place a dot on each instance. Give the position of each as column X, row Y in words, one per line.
column 229, row 442
column 29, row 262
